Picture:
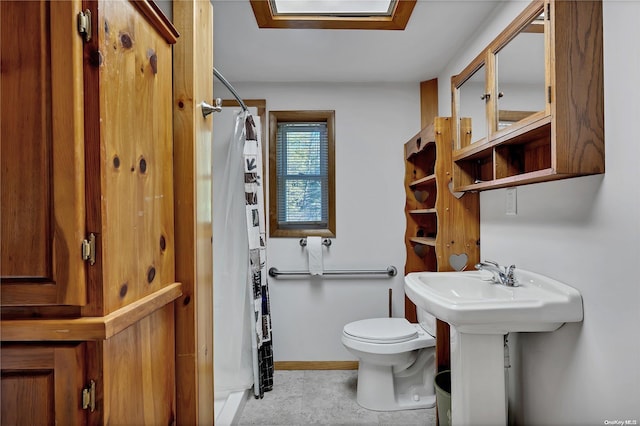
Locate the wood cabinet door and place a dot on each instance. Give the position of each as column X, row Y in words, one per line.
column 129, row 153
column 41, row 154
column 42, row 385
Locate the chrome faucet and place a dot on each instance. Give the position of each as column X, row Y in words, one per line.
column 504, row 276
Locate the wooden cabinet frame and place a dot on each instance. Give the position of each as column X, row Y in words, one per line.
column 90, row 140
column 564, row 140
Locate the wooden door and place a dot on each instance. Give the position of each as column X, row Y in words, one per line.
column 129, row 152
column 42, row 384
column 42, row 157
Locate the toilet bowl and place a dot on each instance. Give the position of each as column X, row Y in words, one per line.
column 396, row 362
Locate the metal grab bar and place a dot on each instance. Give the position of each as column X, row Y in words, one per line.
column 391, row 271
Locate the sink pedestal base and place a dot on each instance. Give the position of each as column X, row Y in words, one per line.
column 478, row 386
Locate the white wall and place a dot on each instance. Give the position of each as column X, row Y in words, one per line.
column 585, row 232
column 372, row 124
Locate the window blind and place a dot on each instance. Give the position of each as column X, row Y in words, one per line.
column 302, row 175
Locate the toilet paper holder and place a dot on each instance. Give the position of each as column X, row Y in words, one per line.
column 325, row 242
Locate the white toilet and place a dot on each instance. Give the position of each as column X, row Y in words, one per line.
column 396, row 362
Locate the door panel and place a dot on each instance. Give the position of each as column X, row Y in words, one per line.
column 130, row 143
column 139, row 368
column 42, row 191
column 26, row 142
column 35, row 388
column 41, row 385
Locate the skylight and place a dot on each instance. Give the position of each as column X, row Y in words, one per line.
column 333, row 14
column 333, row 7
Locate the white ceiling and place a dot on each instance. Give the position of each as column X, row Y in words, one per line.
column 436, row 31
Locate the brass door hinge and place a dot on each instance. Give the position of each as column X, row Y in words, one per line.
column 89, row 396
column 84, row 24
column 89, row 249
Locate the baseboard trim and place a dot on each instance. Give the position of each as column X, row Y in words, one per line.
column 315, row 365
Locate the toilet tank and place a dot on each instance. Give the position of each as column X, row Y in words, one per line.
column 427, row 321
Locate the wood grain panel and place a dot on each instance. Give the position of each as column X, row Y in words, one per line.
column 428, row 101
column 578, row 103
column 193, row 83
column 315, row 365
column 26, row 142
column 36, row 388
column 459, row 232
column 87, row 328
column 41, row 384
column 134, row 143
column 42, row 157
column 140, row 364
column 69, row 211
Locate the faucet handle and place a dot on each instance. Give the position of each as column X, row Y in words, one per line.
column 491, row 262
column 511, row 279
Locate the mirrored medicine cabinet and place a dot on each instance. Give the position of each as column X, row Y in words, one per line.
column 529, row 108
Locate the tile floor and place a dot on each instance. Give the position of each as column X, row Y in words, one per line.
column 322, row 397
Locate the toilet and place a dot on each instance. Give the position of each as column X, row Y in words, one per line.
column 396, row 362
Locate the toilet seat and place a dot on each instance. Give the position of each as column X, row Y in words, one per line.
column 381, row 330
column 385, row 336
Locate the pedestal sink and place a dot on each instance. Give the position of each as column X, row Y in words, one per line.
column 481, row 313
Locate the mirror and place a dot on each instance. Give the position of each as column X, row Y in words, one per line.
column 471, row 104
column 520, row 75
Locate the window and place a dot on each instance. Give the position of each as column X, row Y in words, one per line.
column 333, row 7
column 301, row 174
column 333, row 14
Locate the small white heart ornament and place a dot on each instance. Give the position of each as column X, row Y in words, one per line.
column 458, row 261
column 455, row 194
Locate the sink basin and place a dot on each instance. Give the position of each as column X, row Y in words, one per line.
column 481, row 312
column 473, row 304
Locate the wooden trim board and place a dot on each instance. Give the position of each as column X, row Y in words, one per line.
column 88, row 328
column 315, row 365
column 193, row 84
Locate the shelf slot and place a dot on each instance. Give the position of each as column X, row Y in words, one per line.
column 427, row 180
column 422, row 211
column 427, row 241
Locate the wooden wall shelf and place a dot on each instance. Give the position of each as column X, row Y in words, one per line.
column 427, row 241
column 425, row 181
column 439, row 225
column 435, row 218
column 423, row 211
column 566, row 137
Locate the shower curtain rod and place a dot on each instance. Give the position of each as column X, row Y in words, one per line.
column 231, row 89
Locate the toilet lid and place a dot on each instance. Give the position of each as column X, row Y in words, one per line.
column 382, row 330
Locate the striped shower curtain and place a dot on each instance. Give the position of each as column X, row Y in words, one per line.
column 254, row 202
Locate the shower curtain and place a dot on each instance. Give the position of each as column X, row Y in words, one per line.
column 254, row 200
column 242, row 324
column 233, row 360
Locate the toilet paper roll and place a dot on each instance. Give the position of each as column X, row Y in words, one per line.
column 314, row 250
